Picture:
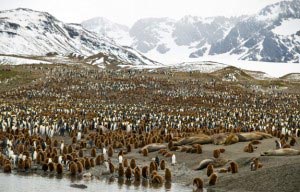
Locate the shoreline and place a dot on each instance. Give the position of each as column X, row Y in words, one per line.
column 183, row 172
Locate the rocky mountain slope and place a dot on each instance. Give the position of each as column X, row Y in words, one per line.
column 29, row 32
column 273, row 34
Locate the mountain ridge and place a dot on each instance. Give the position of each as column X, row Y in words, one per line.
column 28, row 32
column 247, row 37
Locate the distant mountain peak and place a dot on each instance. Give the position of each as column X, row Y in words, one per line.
column 251, row 37
column 28, row 32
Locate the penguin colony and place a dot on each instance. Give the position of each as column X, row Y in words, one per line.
column 59, row 127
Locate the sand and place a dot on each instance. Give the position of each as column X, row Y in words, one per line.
column 277, row 174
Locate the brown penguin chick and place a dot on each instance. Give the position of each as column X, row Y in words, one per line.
column 55, row 143
column 145, row 152
column 132, row 163
column 292, row 141
column 111, row 167
column 137, row 174
column 87, row 165
column 45, row 167
column 222, row 150
column 73, row 168
column 286, row 146
column 27, row 164
column 152, row 167
column 128, row 173
column 93, row 152
column 145, row 172
column 168, row 175
column 110, row 151
column 198, row 149
column 128, row 148
column 69, row 157
column 162, row 164
column 157, row 179
column 92, row 162
column 233, row 167
column 39, row 158
column 216, row 153
column 100, row 159
column 74, row 140
column 210, row 169
column 153, row 174
column 80, row 153
column 198, row 183
column 7, row 168
column 51, row 166
column 59, row 168
column 255, row 164
column 21, row 164
column 79, row 166
column 125, row 162
column 70, row 149
column 121, row 170
column 82, row 161
column 249, row 148
column 213, row 179
column 65, row 150
column 170, row 145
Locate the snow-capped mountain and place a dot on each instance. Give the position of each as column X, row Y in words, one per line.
column 29, row 32
column 105, row 27
column 273, row 34
column 269, row 36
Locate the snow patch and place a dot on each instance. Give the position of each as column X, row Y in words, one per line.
column 10, row 60
column 203, row 67
column 288, row 27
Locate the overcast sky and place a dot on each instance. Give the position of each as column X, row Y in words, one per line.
column 128, row 11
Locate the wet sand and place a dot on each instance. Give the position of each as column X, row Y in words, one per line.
column 277, row 174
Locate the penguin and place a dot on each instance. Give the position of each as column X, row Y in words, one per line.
column 278, row 144
column 162, row 164
column 79, row 167
column 59, row 168
column 209, row 170
column 73, row 168
column 128, row 173
column 213, row 179
column 233, row 167
column 173, row 160
column 120, row 159
column 132, row 163
column 137, row 174
column 78, row 136
column 145, row 172
column 121, row 170
column 106, row 165
column 168, row 175
column 198, row 183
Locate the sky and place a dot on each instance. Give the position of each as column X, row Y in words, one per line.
column 128, row 11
